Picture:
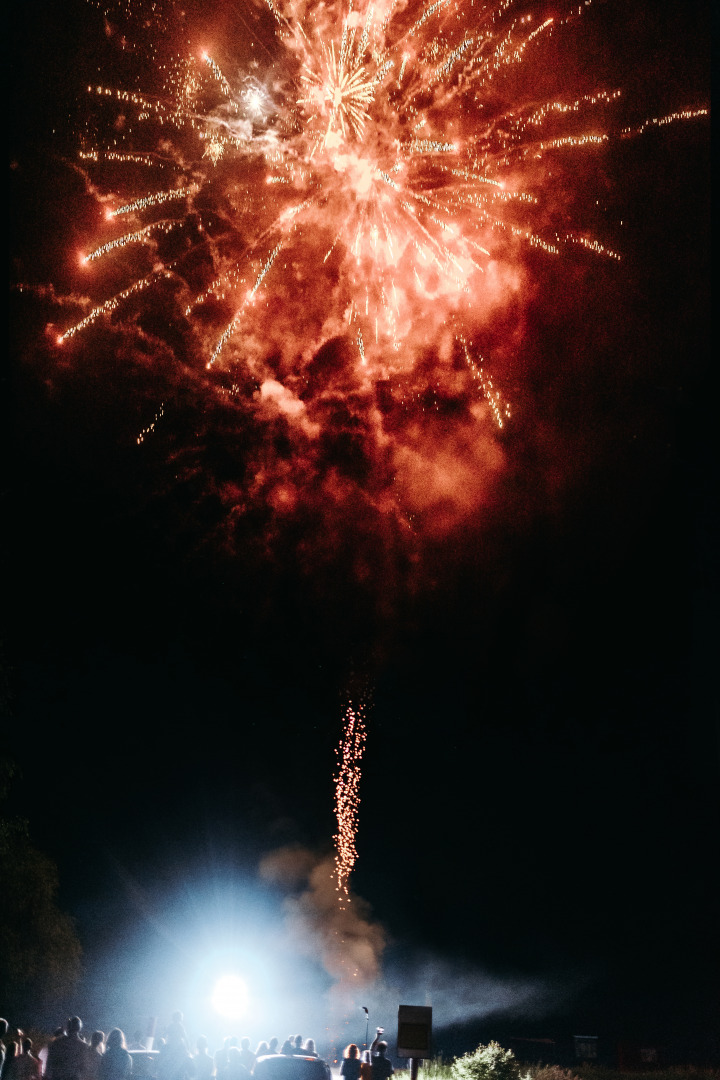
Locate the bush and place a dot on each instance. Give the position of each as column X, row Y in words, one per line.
column 489, row 1062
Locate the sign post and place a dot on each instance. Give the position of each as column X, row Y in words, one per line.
column 414, row 1039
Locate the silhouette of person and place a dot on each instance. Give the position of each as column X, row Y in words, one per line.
column 174, row 1061
column 204, row 1064
column 246, row 1055
column 11, row 1055
column 116, row 1063
column 68, row 1056
column 220, row 1060
column 96, row 1052
column 350, row 1067
column 31, row 1068
column 177, row 1028
column 235, row 1068
column 3, row 1032
column 366, row 1069
column 381, row 1064
column 57, row 1034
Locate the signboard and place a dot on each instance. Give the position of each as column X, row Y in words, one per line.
column 586, row 1047
column 414, row 1031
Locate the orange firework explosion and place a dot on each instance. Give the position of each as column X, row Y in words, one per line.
column 382, row 181
column 347, row 795
column 382, row 150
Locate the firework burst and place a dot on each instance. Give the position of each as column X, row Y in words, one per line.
column 382, row 149
column 380, row 176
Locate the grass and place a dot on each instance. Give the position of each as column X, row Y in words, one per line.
column 441, row 1069
column 668, row 1072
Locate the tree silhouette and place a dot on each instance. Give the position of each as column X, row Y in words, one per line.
column 39, row 948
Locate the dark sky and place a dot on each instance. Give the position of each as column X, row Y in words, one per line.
column 538, row 828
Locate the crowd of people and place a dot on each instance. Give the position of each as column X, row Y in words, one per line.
column 69, row 1056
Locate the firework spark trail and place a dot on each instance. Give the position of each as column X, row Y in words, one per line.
column 111, row 304
column 142, row 435
column 500, row 411
column 663, row 121
column 155, row 199
column 347, row 795
column 250, row 297
column 133, row 238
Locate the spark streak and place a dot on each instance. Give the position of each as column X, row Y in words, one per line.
column 156, row 199
column 132, row 238
column 500, row 411
column 114, row 302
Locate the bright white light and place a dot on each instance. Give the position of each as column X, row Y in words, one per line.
column 256, row 101
column 230, row 997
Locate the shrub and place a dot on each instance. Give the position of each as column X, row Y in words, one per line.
column 489, row 1062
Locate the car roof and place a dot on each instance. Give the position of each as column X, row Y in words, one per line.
column 291, row 1067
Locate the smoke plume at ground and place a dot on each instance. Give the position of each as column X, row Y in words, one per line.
column 342, row 936
column 350, row 945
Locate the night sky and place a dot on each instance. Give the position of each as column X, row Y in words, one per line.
column 538, row 829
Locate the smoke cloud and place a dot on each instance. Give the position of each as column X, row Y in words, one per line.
column 344, row 937
column 462, row 993
column 351, row 946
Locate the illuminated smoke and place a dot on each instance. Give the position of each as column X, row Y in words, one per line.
column 462, row 992
column 351, row 946
column 342, row 937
